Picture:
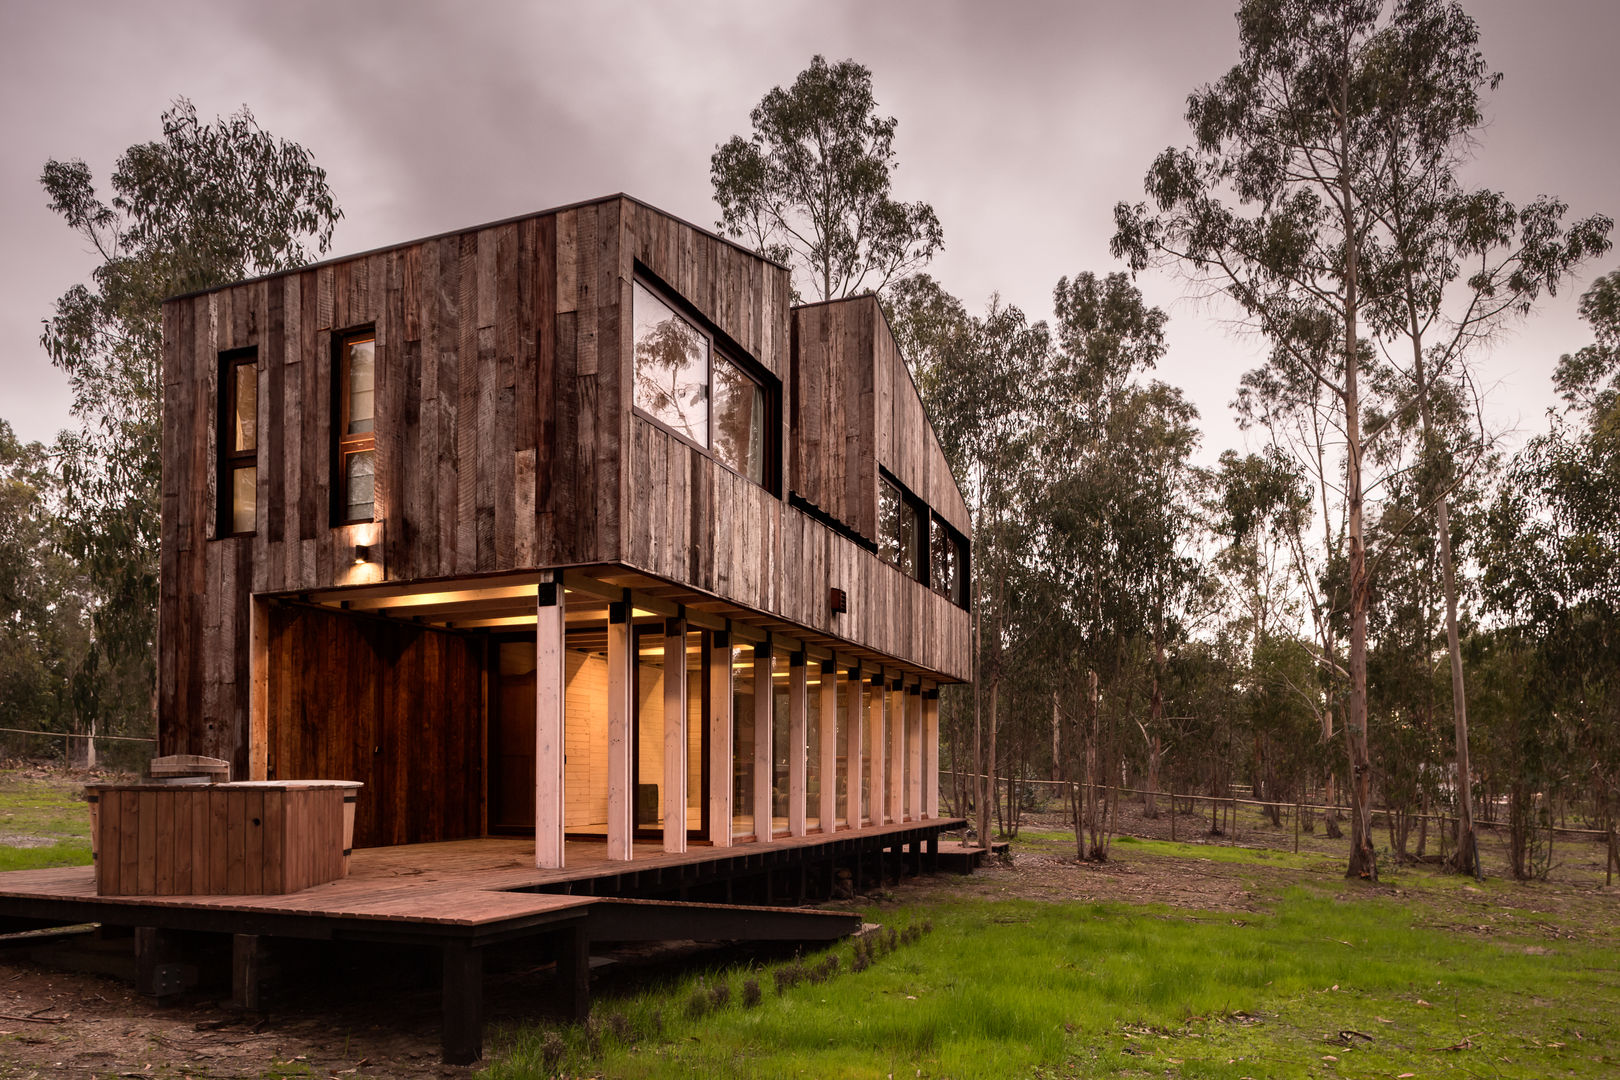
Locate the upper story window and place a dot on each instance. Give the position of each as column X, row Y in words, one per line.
column 947, row 562
column 898, row 529
column 355, row 463
column 687, row 384
column 237, row 438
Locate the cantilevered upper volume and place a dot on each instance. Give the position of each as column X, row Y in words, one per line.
column 570, row 523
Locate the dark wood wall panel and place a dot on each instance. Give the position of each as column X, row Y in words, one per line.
column 905, row 441
column 831, row 412
column 499, row 425
column 394, row 706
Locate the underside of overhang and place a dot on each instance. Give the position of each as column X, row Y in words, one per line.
column 506, row 602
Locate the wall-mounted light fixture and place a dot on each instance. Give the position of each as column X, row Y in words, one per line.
column 839, row 602
column 362, row 553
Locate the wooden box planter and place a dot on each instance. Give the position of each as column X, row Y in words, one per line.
column 245, row 839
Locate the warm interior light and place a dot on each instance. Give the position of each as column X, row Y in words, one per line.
column 362, row 553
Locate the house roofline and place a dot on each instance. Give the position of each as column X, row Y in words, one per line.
column 335, row 259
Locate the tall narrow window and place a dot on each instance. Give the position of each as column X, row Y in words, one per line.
column 238, row 441
column 898, row 529
column 355, row 487
column 671, row 367
column 945, row 562
column 739, row 420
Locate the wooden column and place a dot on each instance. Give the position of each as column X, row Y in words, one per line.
column 675, row 735
column 764, row 693
column 914, row 750
column 854, row 730
column 550, row 709
column 829, row 746
column 720, row 702
column 875, row 717
column 930, row 741
column 620, row 720
column 895, row 779
column 258, row 688
column 798, row 749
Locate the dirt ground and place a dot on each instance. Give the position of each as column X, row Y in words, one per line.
column 361, row 1021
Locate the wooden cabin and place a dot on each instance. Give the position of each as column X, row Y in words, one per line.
column 570, row 525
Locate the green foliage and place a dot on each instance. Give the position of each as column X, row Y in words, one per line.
column 44, row 630
column 205, row 205
column 1589, row 378
column 810, row 186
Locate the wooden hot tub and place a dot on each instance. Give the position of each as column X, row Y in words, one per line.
column 248, row 838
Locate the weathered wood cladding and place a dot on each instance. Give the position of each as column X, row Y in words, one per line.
column 503, row 421
column 705, row 526
column 853, row 407
column 498, row 435
column 395, row 706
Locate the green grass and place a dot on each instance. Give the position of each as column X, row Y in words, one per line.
column 42, row 824
column 1036, row 989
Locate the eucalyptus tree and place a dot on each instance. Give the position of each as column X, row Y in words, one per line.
column 810, row 186
column 1111, row 497
column 207, row 204
column 1552, row 578
column 1450, row 267
column 1276, row 207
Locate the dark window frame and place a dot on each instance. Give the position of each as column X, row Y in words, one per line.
column 229, row 459
column 719, row 345
column 960, row 543
column 344, row 445
column 922, row 514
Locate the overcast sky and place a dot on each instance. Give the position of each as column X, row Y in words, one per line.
column 1022, row 124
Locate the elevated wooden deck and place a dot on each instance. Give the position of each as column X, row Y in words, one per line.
column 462, row 896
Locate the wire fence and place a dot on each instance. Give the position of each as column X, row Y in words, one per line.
column 76, row 749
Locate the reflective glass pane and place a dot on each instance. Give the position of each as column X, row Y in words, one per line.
column 244, row 430
column 671, row 367
column 906, row 540
column 841, row 746
column 696, row 724
column 360, row 485
column 943, row 564
column 739, row 420
column 649, row 807
column 362, row 361
column 742, row 740
column 781, row 746
column 868, row 812
column 812, row 747
column 244, row 499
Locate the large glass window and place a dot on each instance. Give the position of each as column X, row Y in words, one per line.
column 781, row 741
column 812, row 744
column 691, row 387
column 671, row 367
column 898, row 528
column 739, row 420
column 238, row 441
column 357, row 428
column 841, row 746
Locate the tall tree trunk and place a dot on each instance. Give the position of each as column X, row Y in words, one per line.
column 977, row 783
column 1463, row 858
column 989, row 792
column 1150, row 808
column 1363, row 861
column 1057, row 770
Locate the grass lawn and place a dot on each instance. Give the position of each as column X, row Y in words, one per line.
column 42, row 823
column 1329, row 980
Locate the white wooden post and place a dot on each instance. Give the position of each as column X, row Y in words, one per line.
column 675, row 721
column 829, row 746
column 855, row 728
column 798, row 748
column 620, row 715
column 930, row 741
column 879, row 745
column 896, row 781
column 550, row 696
column 914, row 752
column 720, row 703
column 764, row 699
